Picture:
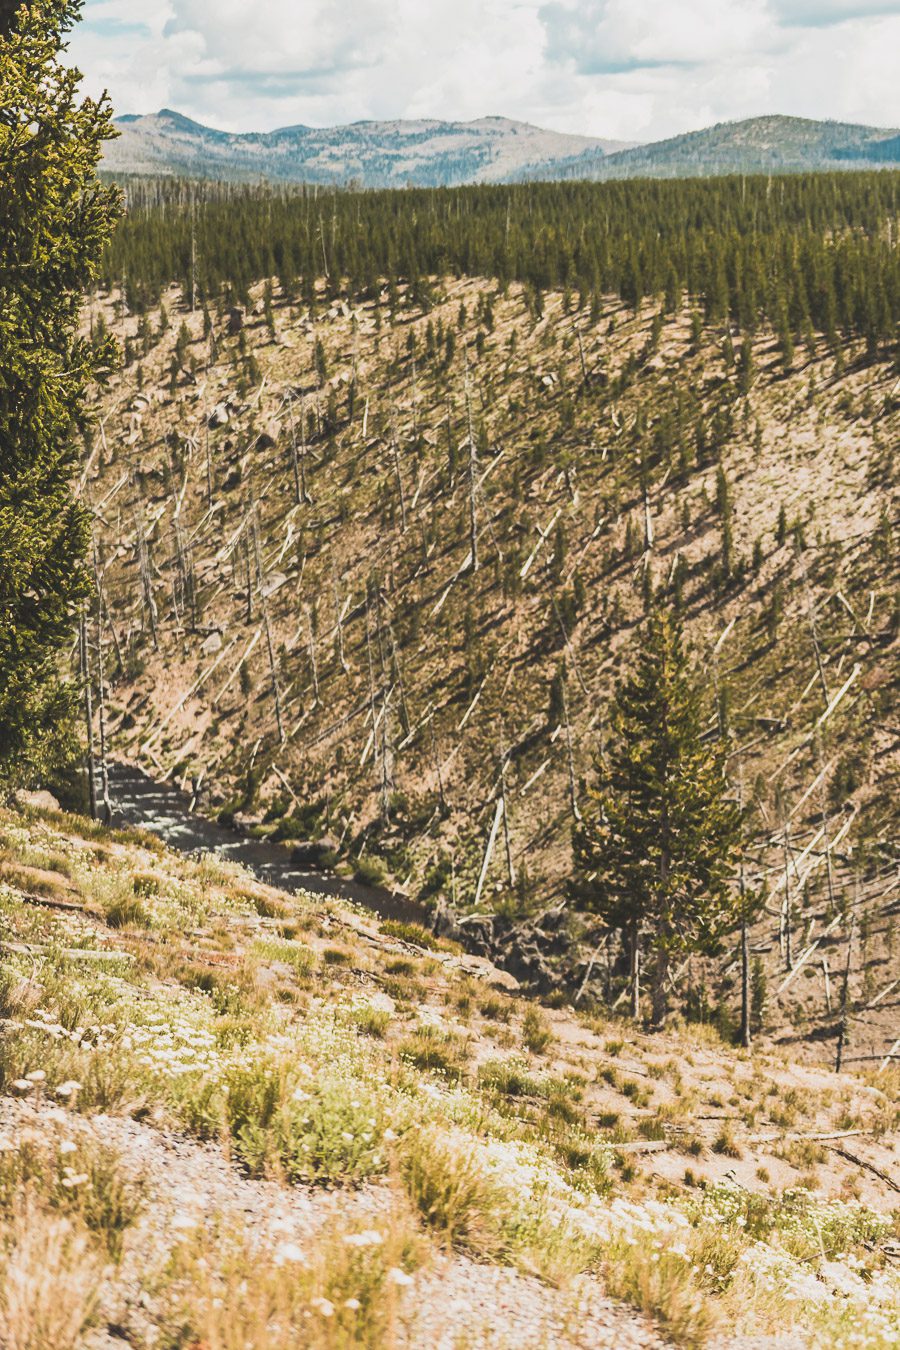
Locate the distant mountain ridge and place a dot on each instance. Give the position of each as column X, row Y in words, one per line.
column 428, row 153
column 770, row 144
column 374, row 154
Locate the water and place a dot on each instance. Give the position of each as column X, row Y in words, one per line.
column 160, row 808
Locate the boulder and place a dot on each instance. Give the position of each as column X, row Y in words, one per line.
column 36, row 801
column 212, row 644
column 311, row 852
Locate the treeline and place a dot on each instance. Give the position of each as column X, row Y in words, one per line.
column 815, row 252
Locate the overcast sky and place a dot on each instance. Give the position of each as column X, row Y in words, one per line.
column 629, row 69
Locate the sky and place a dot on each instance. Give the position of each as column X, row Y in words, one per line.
column 626, row 69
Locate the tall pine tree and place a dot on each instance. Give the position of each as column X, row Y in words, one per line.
column 55, row 219
column 655, row 852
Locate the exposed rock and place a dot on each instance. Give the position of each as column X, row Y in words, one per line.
column 212, row 644
column 219, row 417
column 37, row 801
column 542, row 952
column 273, row 582
column 312, row 852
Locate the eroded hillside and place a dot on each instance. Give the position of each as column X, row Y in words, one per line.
column 285, row 518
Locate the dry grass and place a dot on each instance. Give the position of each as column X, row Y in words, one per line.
column 342, row 1290
column 50, row 1278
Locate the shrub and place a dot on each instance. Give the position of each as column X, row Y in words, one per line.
column 429, row 1048
column 84, row 1180
column 333, row 1132
column 510, row 1077
column 128, row 912
column 145, row 884
column 451, row 1190
column 536, row 1032
column 369, row 871
column 661, row 1283
column 494, row 1008
column 371, row 1021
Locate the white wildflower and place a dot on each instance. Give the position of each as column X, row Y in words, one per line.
column 370, row 1238
column 290, row 1252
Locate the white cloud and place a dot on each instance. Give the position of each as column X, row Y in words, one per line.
column 635, row 69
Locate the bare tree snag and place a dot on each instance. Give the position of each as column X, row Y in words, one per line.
column 311, row 626
column 435, row 754
column 101, row 710
column 488, row 852
column 845, row 994
column 573, row 792
column 395, row 455
column 88, row 715
column 473, row 469
column 510, row 869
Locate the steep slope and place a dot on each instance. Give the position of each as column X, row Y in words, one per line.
column 285, row 537
column 235, row 1118
column 374, row 154
column 758, row 145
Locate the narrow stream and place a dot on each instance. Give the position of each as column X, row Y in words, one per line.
column 160, row 808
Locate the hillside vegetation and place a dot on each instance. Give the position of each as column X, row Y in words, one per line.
column 236, row 1118
column 285, row 521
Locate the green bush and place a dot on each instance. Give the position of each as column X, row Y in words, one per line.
column 330, row 1133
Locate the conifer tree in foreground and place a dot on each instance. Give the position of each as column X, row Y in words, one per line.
column 55, row 220
column 655, row 854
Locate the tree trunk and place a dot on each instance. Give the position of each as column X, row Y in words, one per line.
column 746, row 1030
column 635, row 973
column 660, row 987
column 845, row 995
column 88, row 716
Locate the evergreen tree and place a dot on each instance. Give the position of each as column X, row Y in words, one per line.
column 56, row 220
column 655, row 852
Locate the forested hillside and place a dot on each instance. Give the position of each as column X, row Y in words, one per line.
column 374, row 549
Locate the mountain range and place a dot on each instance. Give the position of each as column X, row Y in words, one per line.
column 427, row 153
column 372, row 154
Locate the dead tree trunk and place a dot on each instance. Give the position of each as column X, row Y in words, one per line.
column 88, row 715
column 101, row 711
column 146, row 578
column 845, row 995
column 473, row 473
column 510, row 869
column 298, row 461
column 435, row 754
column 573, row 792
column 746, row 1027
column 395, row 453
column 311, row 626
column 635, row 972
column 339, row 621
column 786, row 917
column 267, row 628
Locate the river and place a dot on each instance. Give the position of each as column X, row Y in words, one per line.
column 161, row 809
